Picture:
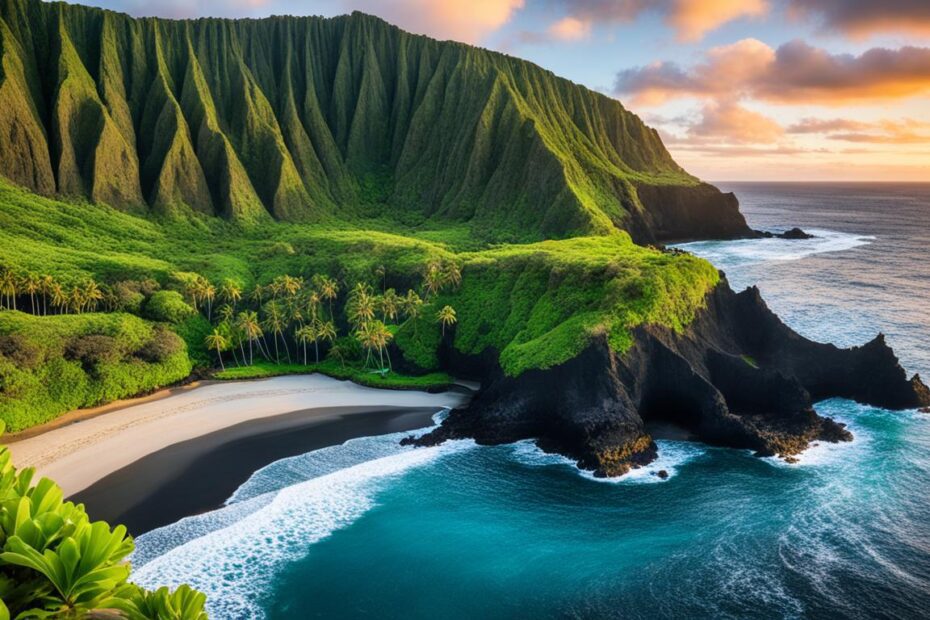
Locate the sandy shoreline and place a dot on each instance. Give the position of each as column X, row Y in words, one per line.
column 79, row 454
column 200, row 474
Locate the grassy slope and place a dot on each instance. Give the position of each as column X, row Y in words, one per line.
column 537, row 304
column 305, row 118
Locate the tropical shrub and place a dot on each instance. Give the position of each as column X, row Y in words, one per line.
column 56, row 563
column 53, row 364
column 168, row 306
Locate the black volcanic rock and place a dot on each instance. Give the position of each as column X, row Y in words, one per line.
column 684, row 213
column 795, row 234
column 736, row 377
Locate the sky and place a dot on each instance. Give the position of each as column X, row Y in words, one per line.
column 787, row 90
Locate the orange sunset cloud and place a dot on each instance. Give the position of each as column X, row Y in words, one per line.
column 795, row 72
column 462, row 20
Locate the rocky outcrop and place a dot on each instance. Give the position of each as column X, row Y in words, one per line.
column 737, row 377
column 794, row 234
column 687, row 212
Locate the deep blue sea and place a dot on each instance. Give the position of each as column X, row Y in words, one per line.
column 370, row 529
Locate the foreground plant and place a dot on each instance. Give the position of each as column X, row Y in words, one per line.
column 56, row 563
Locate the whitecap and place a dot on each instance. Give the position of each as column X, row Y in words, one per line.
column 730, row 254
column 234, row 563
column 673, row 454
column 296, row 469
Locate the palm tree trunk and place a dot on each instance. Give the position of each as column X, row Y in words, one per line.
column 220, row 355
column 316, row 345
column 277, row 356
column 287, row 349
column 251, row 358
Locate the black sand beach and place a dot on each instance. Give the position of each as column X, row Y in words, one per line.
column 195, row 476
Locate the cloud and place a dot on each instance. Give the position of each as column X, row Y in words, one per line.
column 794, row 73
column 731, row 123
column 860, row 18
column 570, row 29
column 692, row 20
column 468, row 21
column 463, row 20
column 904, row 131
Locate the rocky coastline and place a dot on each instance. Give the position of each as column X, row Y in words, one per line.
column 736, row 377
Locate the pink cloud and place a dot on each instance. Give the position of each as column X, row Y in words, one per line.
column 794, row 73
column 468, row 21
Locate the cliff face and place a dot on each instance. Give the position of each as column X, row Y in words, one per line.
column 304, row 118
column 736, row 377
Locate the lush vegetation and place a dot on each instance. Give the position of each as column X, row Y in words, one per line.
column 312, row 120
column 56, row 563
column 295, row 294
column 52, row 364
column 334, row 368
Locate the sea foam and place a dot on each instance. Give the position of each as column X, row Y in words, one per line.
column 231, row 553
column 728, row 254
column 233, row 564
column 673, row 454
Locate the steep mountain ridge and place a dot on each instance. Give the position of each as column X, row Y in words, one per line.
column 310, row 118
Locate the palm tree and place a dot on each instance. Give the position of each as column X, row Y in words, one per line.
column 217, row 341
column 325, row 331
column 446, row 316
column 434, row 279
column 291, row 285
column 47, row 283
column 30, row 286
column 9, row 287
column 192, row 288
column 374, row 335
column 256, row 294
column 92, row 294
column 452, row 274
column 413, row 308
column 231, row 292
column 59, row 297
column 390, row 305
column 247, row 323
column 76, row 299
column 225, row 313
column 275, row 321
column 208, row 293
column 314, row 300
column 306, row 334
column 329, row 290
column 361, row 306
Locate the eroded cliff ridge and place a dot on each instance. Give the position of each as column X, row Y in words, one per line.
column 307, row 119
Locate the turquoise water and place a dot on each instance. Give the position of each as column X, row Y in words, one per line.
column 370, row 529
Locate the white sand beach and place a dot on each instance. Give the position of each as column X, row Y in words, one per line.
column 79, row 454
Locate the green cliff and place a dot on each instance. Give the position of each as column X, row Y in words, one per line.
column 311, row 119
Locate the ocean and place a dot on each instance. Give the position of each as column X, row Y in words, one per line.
column 372, row 529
